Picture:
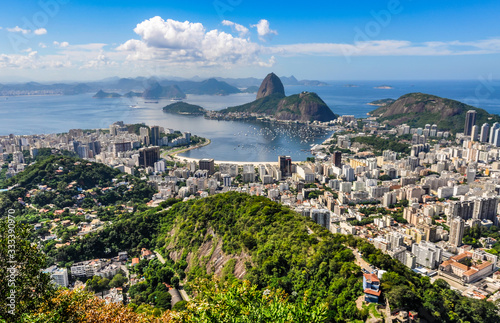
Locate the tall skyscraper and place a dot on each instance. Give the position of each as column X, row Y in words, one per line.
column 149, row 156
column 337, row 158
column 208, row 164
column 155, row 135
column 483, row 137
column 485, row 208
column 456, row 231
column 285, row 163
column 470, row 120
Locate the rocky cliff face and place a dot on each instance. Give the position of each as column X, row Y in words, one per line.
column 271, row 85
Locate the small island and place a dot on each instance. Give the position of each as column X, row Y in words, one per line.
column 184, row 108
column 383, row 87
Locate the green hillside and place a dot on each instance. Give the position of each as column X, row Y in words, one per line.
column 267, row 105
column 237, row 236
column 419, row 109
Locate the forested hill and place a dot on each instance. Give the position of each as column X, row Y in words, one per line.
column 237, row 236
column 65, row 181
column 419, row 109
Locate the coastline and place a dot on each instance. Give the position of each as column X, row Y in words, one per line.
column 174, row 154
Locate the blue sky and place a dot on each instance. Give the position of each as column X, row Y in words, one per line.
column 52, row 40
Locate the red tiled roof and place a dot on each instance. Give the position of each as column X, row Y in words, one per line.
column 470, row 272
column 459, row 265
column 447, row 263
column 371, row 277
column 483, row 265
column 372, row 292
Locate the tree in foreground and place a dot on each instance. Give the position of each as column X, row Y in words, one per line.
column 23, row 285
column 234, row 302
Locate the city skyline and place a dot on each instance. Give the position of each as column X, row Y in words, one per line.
column 75, row 40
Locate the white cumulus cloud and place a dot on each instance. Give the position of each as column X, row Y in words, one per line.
column 191, row 44
column 62, row 44
column 18, row 29
column 263, row 29
column 242, row 30
column 40, row 31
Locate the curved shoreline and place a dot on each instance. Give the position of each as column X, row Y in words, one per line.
column 174, row 154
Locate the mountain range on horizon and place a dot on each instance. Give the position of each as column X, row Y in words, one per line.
column 194, row 85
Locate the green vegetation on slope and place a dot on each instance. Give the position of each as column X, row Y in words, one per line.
column 279, row 253
column 267, row 105
column 306, row 106
column 419, row 109
column 67, row 182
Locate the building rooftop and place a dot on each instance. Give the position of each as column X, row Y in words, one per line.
column 372, row 292
column 371, row 278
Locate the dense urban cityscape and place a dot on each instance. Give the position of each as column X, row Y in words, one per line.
column 430, row 207
column 256, row 161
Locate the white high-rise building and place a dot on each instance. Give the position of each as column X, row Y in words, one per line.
column 348, row 172
column 493, row 129
column 474, row 133
column 456, row 231
column 59, row 275
column 483, row 137
column 427, row 254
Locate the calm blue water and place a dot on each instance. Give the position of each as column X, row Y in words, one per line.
column 231, row 140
